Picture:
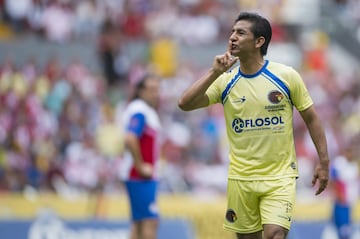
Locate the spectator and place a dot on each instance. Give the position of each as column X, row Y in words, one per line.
column 17, row 12
column 57, row 22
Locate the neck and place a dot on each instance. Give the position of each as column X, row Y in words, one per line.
column 250, row 66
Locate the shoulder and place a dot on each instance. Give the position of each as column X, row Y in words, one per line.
column 137, row 106
column 285, row 72
column 339, row 162
column 233, row 71
column 281, row 68
column 229, row 75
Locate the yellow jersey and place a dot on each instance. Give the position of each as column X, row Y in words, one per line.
column 258, row 112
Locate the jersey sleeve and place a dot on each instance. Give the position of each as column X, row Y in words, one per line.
column 137, row 124
column 300, row 96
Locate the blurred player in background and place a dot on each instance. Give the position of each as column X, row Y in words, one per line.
column 344, row 178
column 142, row 125
column 258, row 99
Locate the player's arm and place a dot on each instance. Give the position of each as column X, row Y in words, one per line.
column 133, row 145
column 316, row 130
column 195, row 96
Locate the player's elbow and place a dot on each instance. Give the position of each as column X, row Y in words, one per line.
column 183, row 105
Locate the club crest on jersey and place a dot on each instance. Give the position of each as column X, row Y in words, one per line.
column 231, row 215
column 275, row 97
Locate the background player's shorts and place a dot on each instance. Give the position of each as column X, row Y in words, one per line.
column 342, row 220
column 142, row 198
column 254, row 203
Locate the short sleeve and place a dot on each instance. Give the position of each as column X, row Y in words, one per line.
column 137, row 124
column 215, row 90
column 300, row 96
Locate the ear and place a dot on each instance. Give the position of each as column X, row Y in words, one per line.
column 259, row 42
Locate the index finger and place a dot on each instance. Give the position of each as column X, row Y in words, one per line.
column 232, row 59
column 322, row 187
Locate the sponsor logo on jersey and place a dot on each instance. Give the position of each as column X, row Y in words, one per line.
column 239, row 125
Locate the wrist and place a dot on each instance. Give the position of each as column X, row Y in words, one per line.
column 215, row 73
column 324, row 162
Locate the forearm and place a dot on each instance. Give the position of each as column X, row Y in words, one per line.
column 195, row 96
column 133, row 146
column 317, row 134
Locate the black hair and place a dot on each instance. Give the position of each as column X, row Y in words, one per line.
column 140, row 84
column 260, row 27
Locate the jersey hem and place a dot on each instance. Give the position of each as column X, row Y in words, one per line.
column 247, row 178
column 232, row 229
column 287, row 227
column 305, row 107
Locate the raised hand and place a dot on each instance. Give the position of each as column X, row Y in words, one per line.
column 223, row 62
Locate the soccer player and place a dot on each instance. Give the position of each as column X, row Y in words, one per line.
column 258, row 98
column 142, row 126
column 344, row 178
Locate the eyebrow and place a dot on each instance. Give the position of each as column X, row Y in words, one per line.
column 240, row 29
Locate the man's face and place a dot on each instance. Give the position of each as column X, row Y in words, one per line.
column 242, row 41
column 151, row 91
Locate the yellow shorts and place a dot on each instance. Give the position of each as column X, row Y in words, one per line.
column 254, row 203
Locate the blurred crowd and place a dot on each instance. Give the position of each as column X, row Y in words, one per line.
column 64, row 20
column 347, row 12
column 60, row 124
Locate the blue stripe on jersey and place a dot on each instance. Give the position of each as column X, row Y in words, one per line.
column 137, row 124
column 279, row 83
column 257, row 73
column 236, row 78
column 229, row 86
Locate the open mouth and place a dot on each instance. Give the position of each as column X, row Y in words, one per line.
column 233, row 47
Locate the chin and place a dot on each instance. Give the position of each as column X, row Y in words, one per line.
column 234, row 53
